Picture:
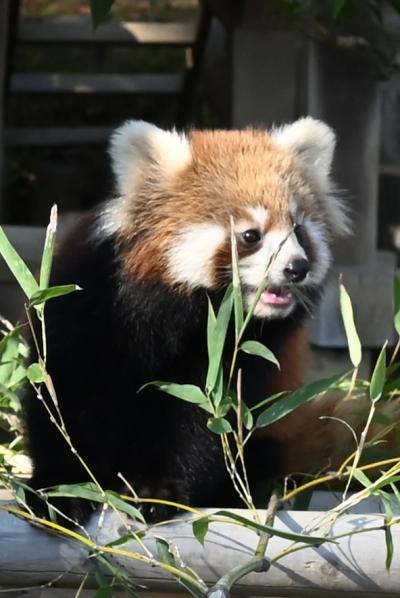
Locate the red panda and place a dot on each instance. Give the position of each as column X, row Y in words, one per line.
column 147, row 262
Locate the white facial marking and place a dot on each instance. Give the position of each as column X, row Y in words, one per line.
column 191, row 257
column 260, row 215
column 323, row 256
column 279, row 247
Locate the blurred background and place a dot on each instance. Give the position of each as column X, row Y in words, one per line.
column 71, row 70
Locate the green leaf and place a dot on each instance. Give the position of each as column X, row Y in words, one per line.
column 10, row 357
column 247, row 417
column 48, row 251
column 396, row 302
column 36, row 373
column 122, row 505
column 336, row 7
column 395, row 4
column 17, row 266
column 218, row 392
column 200, row 529
column 125, row 539
column 268, row 400
column 378, row 376
column 387, row 500
column 217, row 328
column 186, row 392
column 43, row 295
column 100, row 10
column 225, row 406
column 193, row 588
column 299, row 397
column 89, row 491
column 104, row 592
column 389, row 545
column 353, row 339
column 395, row 491
column 237, row 291
column 249, row 523
column 256, row 348
column 166, row 556
column 361, row 478
column 219, row 425
column 164, row 551
column 17, row 376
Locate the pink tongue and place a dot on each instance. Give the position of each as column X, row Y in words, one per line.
column 282, row 298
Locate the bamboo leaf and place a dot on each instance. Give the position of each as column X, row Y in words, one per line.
column 126, row 538
column 269, row 400
column 217, row 328
column 89, row 491
column 361, row 478
column 122, row 505
column 100, row 10
column 17, row 266
column 336, row 7
column 48, row 251
column 389, row 546
column 218, row 392
column 43, row 295
column 237, row 291
column 396, row 302
column 247, row 416
column 200, row 529
column 164, row 552
column 186, row 392
column 104, row 592
column 287, row 404
column 249, row 523
column 378, row 376
column 219, row 425
column 256, row 348
column 36, row 373
column 353, row 339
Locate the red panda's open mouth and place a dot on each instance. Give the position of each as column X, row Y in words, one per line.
column 277, row 297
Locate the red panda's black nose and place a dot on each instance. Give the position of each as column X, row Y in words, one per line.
column 297, row 270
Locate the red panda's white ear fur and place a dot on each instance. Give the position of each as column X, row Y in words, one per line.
column 314, row 142
column 138, row 147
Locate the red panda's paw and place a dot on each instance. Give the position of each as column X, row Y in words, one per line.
column 161, row 499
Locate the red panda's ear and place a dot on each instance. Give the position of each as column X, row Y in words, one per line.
column 138, row 149
column 314, row 142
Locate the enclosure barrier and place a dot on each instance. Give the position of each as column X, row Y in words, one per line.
column 354, row 565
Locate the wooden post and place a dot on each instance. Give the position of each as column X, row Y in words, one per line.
column 271, row 85
column 343, row 90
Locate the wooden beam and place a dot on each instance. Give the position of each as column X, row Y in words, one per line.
column 27, row 83
column 79, row 30
column 352, row 566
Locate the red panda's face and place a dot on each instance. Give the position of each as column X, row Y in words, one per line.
column 181, row 197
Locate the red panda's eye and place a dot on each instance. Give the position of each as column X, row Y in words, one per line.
column 252, row 236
